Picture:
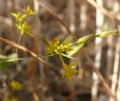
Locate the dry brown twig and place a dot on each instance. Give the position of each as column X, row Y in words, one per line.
column 94, row 68
column 11, row 43
column 104, row 11
column 52, row 12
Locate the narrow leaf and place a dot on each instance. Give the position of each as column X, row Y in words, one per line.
column 68, row 56
column 68, row 39
column 75, row 49
column 106, row 33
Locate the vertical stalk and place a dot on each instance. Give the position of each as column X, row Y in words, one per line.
column 19, row 39
column 116, row 68
column 61, row 60
column 71, row 12
column 115, row 82
column 98, row 49
column 83, row 16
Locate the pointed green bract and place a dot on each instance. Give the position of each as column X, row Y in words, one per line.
column 68, row 40
column 107, row 33
column 75, row 49
column 67, row 56
column 29, row 11
column 19, row 17
column 76, row 46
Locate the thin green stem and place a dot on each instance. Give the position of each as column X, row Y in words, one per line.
column 19, row 39
column 61, row 58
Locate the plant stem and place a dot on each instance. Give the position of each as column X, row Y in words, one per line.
column 61, row 58
column 19, row 39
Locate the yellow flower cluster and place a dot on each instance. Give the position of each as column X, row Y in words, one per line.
column 56, row 47
column 15, row 86
column 20, row 23
column 70, row 71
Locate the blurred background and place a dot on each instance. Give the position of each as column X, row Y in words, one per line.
column 31, row 80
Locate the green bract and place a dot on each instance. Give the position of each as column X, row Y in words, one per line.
column 29, row 11
column 76, row 46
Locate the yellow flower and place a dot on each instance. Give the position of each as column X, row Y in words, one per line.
column 14, row 85
column 69, row 70
column 20, row 21
column 29, row 11
column 15, row 99
column 56, row 47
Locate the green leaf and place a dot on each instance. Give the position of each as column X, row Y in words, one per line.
column 79, row 44
column 5, row 61
column 68, row 40
column 85, row 39
column 106, row 33
column 75, row 49
column 67, row 56
column 76, row 46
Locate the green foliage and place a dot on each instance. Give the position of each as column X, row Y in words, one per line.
column 21, row 25
column 107, row 33
column 24, row 28
column 76, row 46
column 56, row 47
column 5, row 61
column 68, row 48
